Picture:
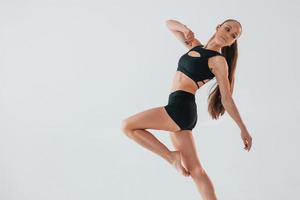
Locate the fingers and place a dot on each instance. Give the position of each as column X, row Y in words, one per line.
column 250, row 143
column 247, row 139
column 189, row 35
column 247, row 143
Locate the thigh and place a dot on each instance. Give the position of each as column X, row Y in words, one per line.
column 183, row 141
column 184, row 113
column 154, row 118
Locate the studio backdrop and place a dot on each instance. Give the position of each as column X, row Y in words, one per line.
column 71, row 71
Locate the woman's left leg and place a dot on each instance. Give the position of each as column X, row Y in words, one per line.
column 183, row 141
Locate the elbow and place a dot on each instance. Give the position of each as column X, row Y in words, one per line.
column 169, row 23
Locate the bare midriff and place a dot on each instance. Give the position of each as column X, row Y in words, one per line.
column 183, row 82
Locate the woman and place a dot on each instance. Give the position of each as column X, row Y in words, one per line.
column 195, row 68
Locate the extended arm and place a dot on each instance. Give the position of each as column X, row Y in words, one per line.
column 220, row 69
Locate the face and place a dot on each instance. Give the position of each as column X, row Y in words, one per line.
column 228, row 33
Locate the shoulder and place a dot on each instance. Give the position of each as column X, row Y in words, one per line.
column 218, row 64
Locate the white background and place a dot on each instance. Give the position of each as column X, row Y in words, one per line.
column 71, row 71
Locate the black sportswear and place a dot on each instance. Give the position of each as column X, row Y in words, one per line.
column 197, row 67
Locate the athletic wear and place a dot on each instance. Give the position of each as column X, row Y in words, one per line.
column 182, row 109
column 181, row 105
column 197, row 67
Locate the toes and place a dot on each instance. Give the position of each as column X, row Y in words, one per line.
column 185, row 172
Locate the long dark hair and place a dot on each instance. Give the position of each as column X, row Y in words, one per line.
column 215, row 107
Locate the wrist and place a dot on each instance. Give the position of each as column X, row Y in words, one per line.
column 243, row 127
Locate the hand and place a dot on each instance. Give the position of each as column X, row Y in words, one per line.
column 189, row 35
column 247, row 139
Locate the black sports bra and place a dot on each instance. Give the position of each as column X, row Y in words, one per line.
column 197, row 67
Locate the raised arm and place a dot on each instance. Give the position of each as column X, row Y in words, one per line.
column 220, row 69
column 182, row 33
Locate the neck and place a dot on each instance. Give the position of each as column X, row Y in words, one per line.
column 212, row 45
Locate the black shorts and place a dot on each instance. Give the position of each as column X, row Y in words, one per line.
column 182, row 109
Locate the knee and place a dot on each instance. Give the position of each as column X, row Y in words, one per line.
column 198, row 172
column 126, row 129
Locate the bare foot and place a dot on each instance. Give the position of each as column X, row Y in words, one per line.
column 176, row 162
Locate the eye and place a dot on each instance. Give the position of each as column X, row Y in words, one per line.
column 227, row 29
column 233, row 36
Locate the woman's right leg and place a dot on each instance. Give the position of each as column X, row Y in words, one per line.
column 158, row 119
column 183, row 141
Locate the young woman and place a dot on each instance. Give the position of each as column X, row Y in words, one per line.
column 195, row 68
